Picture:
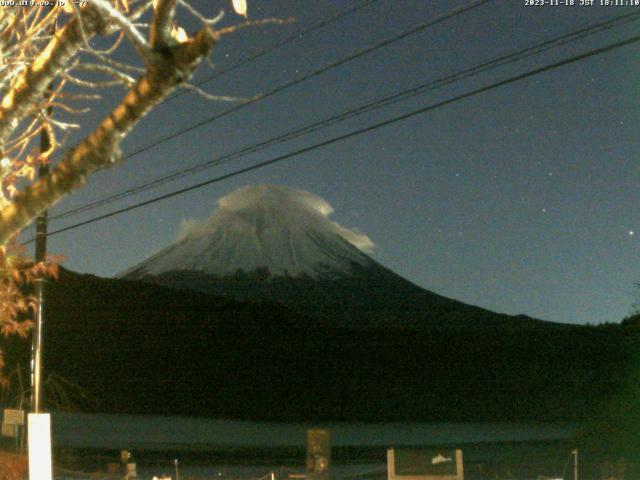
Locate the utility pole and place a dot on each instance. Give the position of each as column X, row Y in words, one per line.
column 39, row 424
column 40, row 255
column 575, row 464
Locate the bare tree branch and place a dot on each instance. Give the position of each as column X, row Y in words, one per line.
column 107, row 70
column 206, row 21
column 212, row 97
column 29, row 88
column 162, row 24
column 101, row 148
column 114, row 17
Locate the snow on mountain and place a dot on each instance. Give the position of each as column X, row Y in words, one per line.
column 284, row 230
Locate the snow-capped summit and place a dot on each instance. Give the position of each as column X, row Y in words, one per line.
column 264, row 227
column 274, row 243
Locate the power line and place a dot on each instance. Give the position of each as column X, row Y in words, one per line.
column 300, row 33
column 375, row 126
column 358, row 54
column 250, row 58
column 382, row 102
column 246, row 61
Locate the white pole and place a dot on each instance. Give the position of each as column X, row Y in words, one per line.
column 39, row 446
column 575, row 464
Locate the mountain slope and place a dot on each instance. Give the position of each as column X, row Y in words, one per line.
column 275, row 243
column 142, row 348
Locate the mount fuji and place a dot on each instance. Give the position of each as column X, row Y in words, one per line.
column 271, row 228
column 310, row 328
column 275, row 243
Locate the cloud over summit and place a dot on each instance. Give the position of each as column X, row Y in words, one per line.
column 267, row 206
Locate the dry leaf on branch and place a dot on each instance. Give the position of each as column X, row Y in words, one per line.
column 240, row 7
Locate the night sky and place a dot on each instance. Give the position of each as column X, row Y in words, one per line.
column 520, row 200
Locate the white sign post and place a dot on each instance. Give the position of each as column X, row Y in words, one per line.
column 40, row 446
column 12, row 421
column 15, row 417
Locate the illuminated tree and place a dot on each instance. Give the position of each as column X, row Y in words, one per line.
column 48, row 62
